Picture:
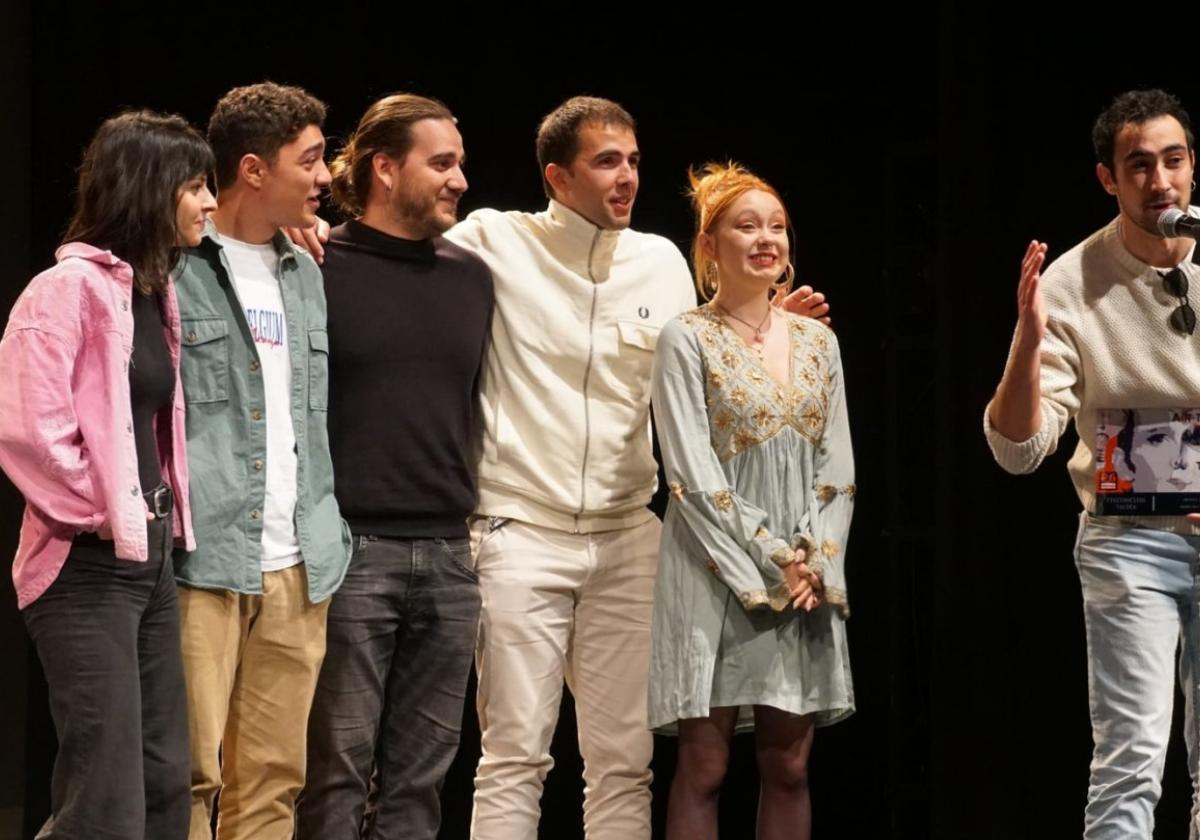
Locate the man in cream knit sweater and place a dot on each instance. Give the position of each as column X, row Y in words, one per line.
column 1107, row 327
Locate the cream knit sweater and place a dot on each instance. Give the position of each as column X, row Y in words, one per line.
column 1108, row 345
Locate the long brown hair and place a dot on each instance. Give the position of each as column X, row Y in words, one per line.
column 128, row 190
column 385, row 128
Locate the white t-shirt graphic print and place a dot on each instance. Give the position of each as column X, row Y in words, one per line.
column 256, row 279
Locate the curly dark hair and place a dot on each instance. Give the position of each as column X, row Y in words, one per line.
column 1137, row 107
column 258, row 119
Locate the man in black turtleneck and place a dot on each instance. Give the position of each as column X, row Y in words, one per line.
column 409, row 317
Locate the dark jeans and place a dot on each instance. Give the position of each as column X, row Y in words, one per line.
column 107, row 633
column 399, row 644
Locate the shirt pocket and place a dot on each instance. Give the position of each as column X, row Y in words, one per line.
column 634, row 358
column 318, row 369
column 643, row 336
column 205, row 365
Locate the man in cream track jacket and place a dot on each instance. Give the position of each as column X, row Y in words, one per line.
column 565, row 546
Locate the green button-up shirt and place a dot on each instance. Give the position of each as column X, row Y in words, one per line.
column 227, row 428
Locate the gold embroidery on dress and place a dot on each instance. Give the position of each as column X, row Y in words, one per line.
column 850, row 490
column 763, row 416
column 761, row 533
column 747, row 405
column 826, row 493
column 678, row 490
column 782, row 556
column 712, row 567
column 744, row 439
column 829, row 548
column 723, row 499
column 777, row 599
column 836, row 598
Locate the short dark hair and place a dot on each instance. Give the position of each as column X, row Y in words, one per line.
column 558, row 134
column 128, row 190
column 386, row 127
column 258, row 119
column 1137, row 107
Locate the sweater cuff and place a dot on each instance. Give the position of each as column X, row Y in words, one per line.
column 1020, row 457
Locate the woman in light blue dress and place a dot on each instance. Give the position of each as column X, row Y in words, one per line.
column 750, row 602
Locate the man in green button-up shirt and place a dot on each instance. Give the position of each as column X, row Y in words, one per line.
column 271, row 545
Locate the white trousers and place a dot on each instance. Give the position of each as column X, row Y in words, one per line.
column 573, row 607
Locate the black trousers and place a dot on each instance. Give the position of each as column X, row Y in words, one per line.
column 107, row 633
column 389, row 702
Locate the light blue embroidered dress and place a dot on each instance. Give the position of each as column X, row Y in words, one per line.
column 756, row 468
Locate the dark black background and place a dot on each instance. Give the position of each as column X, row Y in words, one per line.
column 918, row 150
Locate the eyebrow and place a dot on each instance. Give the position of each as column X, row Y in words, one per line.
column 1145, row 153
column 603, row 153
column 462, row 159
column 315, row 147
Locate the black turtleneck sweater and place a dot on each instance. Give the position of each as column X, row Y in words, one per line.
column 408, row 327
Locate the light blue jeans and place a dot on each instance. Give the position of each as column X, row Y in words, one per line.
column 1141, row 594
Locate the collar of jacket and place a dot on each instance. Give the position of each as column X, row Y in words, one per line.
column 119, row 268
column 579, row 244
column 283, row 246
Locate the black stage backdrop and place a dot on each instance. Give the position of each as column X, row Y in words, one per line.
column 918, row 151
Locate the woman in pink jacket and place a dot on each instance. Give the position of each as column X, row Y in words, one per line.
column 92, row 434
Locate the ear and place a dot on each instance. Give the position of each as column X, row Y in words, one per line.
column 559, row 178
column 252, row 169
column 385, row 170
column 708, row 245
column 1106, row 179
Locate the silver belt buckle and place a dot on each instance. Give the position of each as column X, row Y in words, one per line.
column 161, row 502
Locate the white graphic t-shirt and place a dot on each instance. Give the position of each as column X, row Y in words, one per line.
column 256, row 279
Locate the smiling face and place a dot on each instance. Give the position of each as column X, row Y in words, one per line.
column 430, row 181
column 193, row 203
column 1152, row 171
column 749, row 241
column 292, row 184
column 601, row 183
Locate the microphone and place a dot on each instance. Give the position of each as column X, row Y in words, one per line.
column 1174, row 222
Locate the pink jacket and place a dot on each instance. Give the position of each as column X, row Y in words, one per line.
column 66, row 425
